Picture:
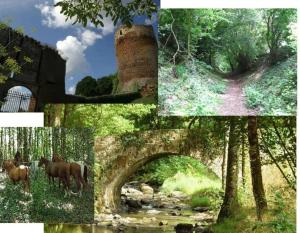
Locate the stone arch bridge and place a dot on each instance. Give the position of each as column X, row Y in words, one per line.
column 119, row 157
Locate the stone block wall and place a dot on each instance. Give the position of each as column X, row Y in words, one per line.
column 45, row 76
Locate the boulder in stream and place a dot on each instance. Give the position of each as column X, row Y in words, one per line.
column 146, row 189
column 184, row 228
column 201, row 209
column 163, row 223
column 133, row 204
column 175, row 213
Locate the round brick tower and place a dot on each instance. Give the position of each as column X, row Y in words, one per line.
column 136, row 50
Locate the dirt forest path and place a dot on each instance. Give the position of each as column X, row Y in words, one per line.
column 234, row 102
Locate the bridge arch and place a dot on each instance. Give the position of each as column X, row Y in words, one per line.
column 121, row 156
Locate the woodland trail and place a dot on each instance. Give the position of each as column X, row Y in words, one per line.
column 234, row 103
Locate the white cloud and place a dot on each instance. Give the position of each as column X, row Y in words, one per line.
column 54, row 19
column 109, row 26
column 52, row 16
column 88, row 37
column 72, row 50
column 71, row 90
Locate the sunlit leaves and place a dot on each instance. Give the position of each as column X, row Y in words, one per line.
column 94, row 10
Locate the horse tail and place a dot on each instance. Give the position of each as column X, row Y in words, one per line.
column 85, row 174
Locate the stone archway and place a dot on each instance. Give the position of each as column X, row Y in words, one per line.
column 44, row 75
column 121, row 156
column 18, row 99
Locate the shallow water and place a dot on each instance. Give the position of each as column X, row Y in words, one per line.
column 141, row 225
column 98, row 229
column 68, row 228
column 65, row 228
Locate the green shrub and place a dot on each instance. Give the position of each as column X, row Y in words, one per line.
column 105, row 85
column 197, row 201
column 275, row 92
column 195, row 92
column 283, row 221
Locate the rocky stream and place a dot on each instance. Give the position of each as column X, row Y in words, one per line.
column 146, row 209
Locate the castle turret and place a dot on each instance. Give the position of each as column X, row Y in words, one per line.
column 136, row 50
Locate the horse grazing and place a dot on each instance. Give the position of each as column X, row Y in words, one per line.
column 61, row 170
column 17, row 174
column 78, row 171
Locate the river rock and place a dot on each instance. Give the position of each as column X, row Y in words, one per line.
column 146, row 202
column 175, row 213
column 117, row 216
column 133, row 204
column 146, row 189
column 203, row 217
column 178, row 195
column 163, row 223
column 148, row 220
column 201, row 209
column 184, row 228
column 127, row 220
column 153, row 212
column 131, row 191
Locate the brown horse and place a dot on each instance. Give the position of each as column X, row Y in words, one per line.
column 17, row 174
column 77, row 171
column 61, row 170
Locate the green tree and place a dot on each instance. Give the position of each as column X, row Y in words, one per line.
column 230, row 202
column 105, row 85
column 278, row 31
column 94, row 11
column 87, row 87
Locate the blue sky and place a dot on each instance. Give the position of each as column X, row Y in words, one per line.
column 89, row 51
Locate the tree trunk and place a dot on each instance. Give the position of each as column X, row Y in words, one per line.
column 255, row 163
column 224, row 158
column 243, row 159
column 230, row 202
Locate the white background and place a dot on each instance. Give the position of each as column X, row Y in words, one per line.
column 21, row 119
column 21, row 228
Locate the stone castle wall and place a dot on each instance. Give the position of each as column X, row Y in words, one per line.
column 45, row 76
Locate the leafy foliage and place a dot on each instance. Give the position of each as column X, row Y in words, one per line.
column 90, row 87
column 8, row 64
column 194, row 92
column 95, row 11
column 275, row 92
column 45, row 203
